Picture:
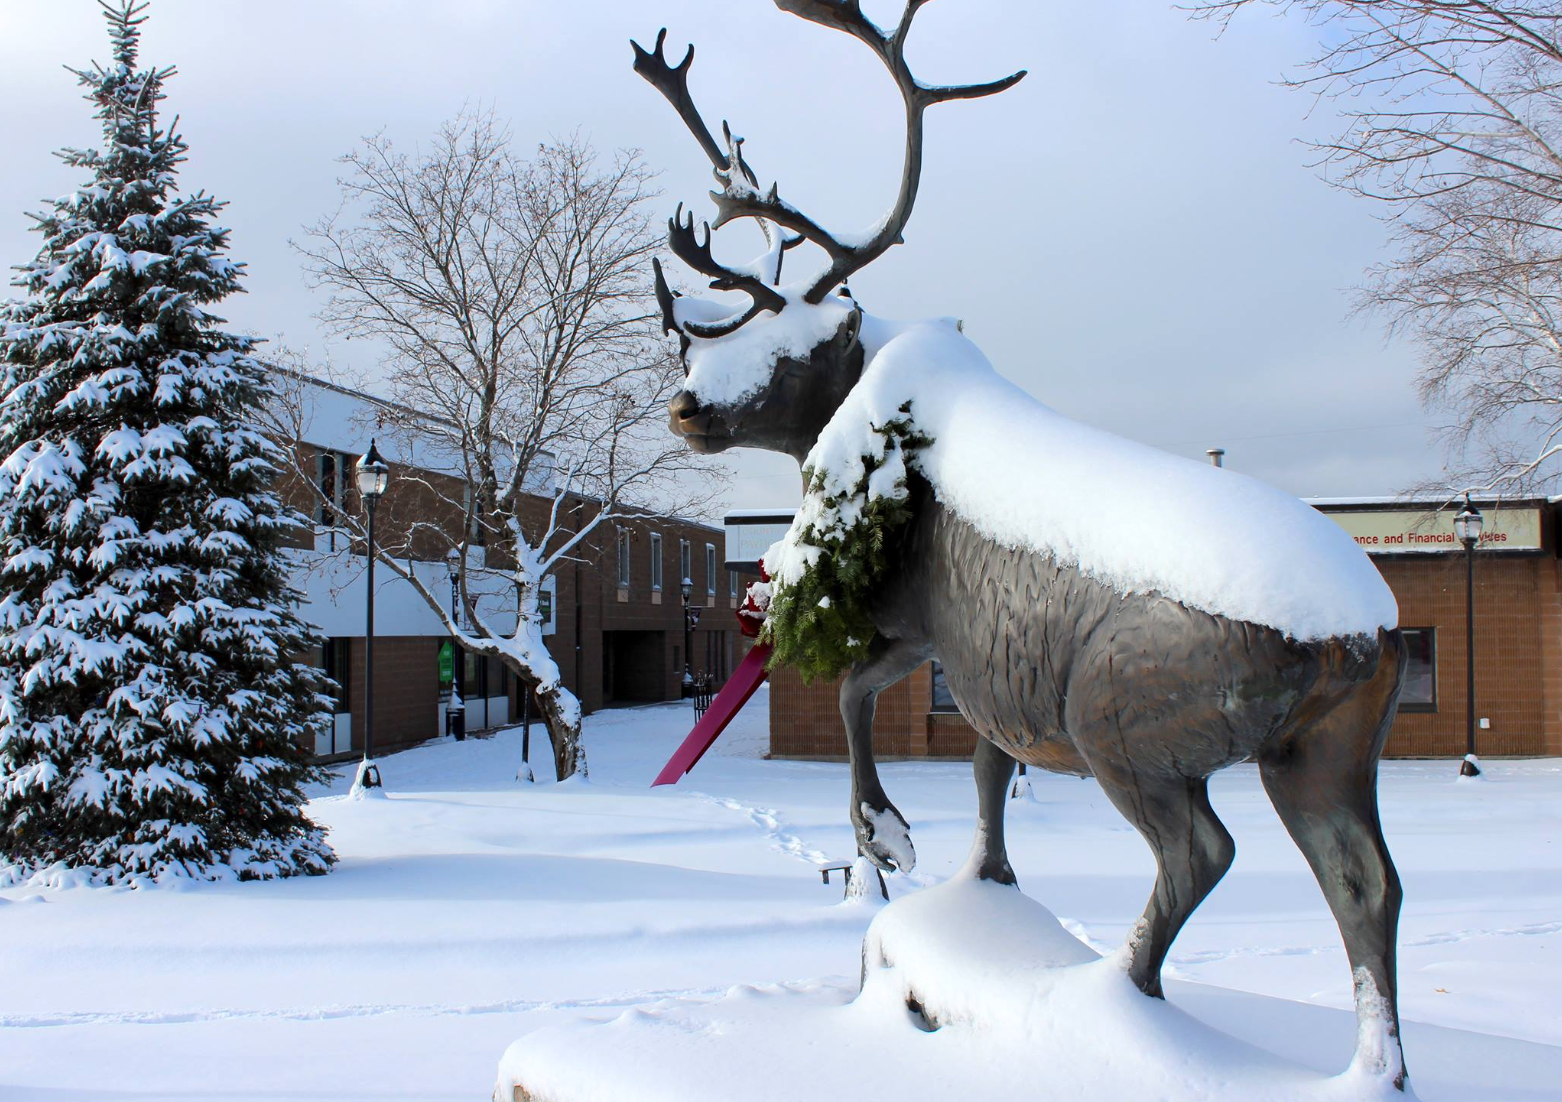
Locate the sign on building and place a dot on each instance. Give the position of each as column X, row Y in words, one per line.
column 1393, row 531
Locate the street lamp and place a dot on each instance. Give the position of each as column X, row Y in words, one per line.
column 455, row 711
column 689, row 616
column 1467, row 527
column 373, row 477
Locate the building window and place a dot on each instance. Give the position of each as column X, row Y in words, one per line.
column 656, row 560
column 685, row 562
column 476, row 529
column 329, row 478
column 334, row 663
column 943, row 699
column 732, row 584
column 623, row 558
column 1419, row 693
column 710, row 569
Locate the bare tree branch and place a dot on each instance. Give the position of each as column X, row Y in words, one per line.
column 522, row 340
column 1452, row 121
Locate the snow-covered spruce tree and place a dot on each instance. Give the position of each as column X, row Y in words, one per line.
column 153, row 708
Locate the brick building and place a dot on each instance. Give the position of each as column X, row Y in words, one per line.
column 615, row 619
column 1518, row 640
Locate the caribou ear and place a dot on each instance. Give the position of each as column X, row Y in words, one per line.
column 664, row 299
column 852, row 329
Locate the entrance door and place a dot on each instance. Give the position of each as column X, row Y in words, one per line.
column 632, row 666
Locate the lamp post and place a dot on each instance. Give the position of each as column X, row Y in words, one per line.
column 687, row 588
column 1467, row 527
column 373, row 476
column 455, row 711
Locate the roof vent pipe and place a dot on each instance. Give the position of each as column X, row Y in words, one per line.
column 1217, row 456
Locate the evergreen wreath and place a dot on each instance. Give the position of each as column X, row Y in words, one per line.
column 819, row 622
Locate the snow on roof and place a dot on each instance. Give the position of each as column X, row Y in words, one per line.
column 784, row 513
column 1135, row 518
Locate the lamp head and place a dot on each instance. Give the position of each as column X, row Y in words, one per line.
column 373, row 474
column 1467, row 525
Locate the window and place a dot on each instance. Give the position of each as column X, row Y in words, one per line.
column 335, row 665
column 732, row 584
column 656, row 560
column 943, row 699
column 545, row 608
column 329, row 477
column 710, row 569
column 476, row 528
column 685, row 562
column 623, row 558
column 1420, row 690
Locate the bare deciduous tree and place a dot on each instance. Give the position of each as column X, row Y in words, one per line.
column 1452, row 119
column 523, row 352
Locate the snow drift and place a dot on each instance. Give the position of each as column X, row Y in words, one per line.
column 1013, row 994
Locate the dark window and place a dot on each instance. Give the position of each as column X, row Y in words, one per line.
column 710, row 569
column 685, row 563
column 334, row 663
column 1419, row 693
column 475, row 676
column 943, row 699
column 623, row 558
column 656, row 560
column 478, row 531
column 328, row 478
column 732, row 584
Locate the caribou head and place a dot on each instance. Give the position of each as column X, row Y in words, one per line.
column 770, row 375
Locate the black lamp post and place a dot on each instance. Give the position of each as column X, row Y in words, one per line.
column 689, row 615
column 373, row 476
column 455, row 711
column 1467, row 527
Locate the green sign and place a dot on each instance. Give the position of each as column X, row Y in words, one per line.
column 447, row 663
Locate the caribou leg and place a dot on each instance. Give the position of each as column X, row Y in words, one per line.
column 1334, row 822
column 989, row 858
column 882, row 833
column 1192, row 852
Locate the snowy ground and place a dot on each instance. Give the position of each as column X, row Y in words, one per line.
column 468, row 911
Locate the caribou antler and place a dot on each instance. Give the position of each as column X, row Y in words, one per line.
column 697, row 255
column 740, row 196
column 846, row 15
column 731, row 170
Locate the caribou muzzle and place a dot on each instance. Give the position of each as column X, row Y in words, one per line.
column 701, row 428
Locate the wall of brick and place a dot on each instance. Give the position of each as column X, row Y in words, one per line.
column 1516, row 621
column 406, row 691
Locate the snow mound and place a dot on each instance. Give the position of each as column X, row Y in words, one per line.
column 1135, row 518
column 1023, row 1009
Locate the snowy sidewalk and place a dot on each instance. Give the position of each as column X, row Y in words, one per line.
column 469, row 910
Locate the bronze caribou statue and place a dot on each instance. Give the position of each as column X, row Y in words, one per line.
column 1052, row 665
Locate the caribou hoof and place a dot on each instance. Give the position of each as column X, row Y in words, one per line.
column 884, row 838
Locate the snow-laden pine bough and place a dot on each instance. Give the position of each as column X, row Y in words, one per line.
column 1099, row 608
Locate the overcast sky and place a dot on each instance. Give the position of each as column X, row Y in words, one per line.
column 1132, row 233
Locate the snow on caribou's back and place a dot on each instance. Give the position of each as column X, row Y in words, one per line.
column 1128, row 515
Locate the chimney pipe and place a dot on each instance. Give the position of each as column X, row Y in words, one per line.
column 1217, row 456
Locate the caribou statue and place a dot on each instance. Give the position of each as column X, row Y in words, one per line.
column 1056, row 664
